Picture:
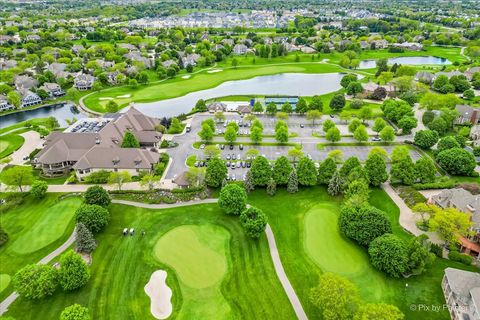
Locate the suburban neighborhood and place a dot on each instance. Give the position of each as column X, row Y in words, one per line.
column 240, row 160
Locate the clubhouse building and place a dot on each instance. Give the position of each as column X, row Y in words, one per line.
column 93, row 144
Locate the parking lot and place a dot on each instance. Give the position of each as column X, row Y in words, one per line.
column 236, row 155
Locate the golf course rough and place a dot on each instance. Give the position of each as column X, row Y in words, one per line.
column 198, row 254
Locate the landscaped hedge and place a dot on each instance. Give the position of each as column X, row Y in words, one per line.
column 460, row 257
column 436, row 249
column 410, row 195
column 434, row 185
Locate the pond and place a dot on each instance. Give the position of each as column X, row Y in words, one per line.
column 414, row 61
column 288, row 84
column 59, row 111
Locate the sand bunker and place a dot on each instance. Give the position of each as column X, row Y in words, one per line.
column 105, row 98
column 124, row 96
column 186, row 77
column 214, row 71
column 160, row 295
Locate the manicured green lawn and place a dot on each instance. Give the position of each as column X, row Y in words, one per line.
column 9, row 143
column 35, row 229
column 198, row 254
column 122, row 266
column 309, row 242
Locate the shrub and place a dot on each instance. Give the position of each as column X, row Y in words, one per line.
column 85, row 242
column 457, row 161
column 93, row 216
column 73, row 273
column 460, row 257
column 36, row 281
column 363, row 224
column 253, row 221
column 97, row 195
column 98, row 177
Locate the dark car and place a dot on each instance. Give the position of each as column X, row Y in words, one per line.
column 196, row 164
column 240, row 147
column 228, row 164
column 302, row 125
column 222, row 146
column 231, row 147
column 332, row 116
column 249, row 164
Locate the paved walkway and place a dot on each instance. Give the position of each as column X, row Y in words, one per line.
column 52, row 255
column 32, row 142
column 277, row 263
column 407, row 218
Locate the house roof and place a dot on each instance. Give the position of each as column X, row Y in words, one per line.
column 182, row 179
column 100, row 157
column 462, row 282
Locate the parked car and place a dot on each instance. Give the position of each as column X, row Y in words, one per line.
column 333, row 116
column 240, row 147
column 227, row 164
column 376, row 139
column 234, row 157
column 228, row 157
column 231, row 147
column 222, row 146
column 239, row 165
column 239, row 156
column 249, row 164
column 196, row 164
column 202, row 146
column 302, row 125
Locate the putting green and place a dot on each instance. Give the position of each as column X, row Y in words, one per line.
column 4, row 281
column 198, row 254
column 48, row 229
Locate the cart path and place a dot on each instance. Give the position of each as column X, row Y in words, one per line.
column 52, row 255
column 277, row 263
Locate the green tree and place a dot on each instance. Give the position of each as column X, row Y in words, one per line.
column 119, row 178
column 347, row 167
column 39, row 189
column 354, row 88
column 175, row 126
column 382, row 311
column 93, row 216
column 456, row 161
column 130, row 141
column 282, row 170
column 281, row 133
column 419, row 255
column 210, row 123
column 387, row 134
column 301, row 106
column 376, row 169
column 347, row 79
column 353, row 125
column 232, row 199
column 84, row 240
column 336, row 297
column 97, row 195
column 403, row 171
column 363, row 224
column 206, row 133
column 295, row 153
column 446, row 143
column 248, row 183
column 425, row 139
column 75, row 312
column 316, row 104
column 287, row 108
column 14, row 99
column 257, row 107
column 261, row 171
column 111, row 106
column 326, row 170
column 335, row 184
column 450, row 223
column 307, row 173
column 361, row 134
column 230, row 134
column 379, row 124
column 149, row 181
column 399, row 153
column 327, row 125
column 313, row 115
column 337, row 102
column 254, row 221
column 35, row 281
column 73, row 273
column 256, row 134
column 333, row 135
column 357, row 191
column 407, row 123
column 388, row 253
column 201, row 106
column 211, row 152
column 215, row 173
column 271, row 187
column 425, row 170
column 292, row 185
column 17, row 176
column 365, row 113
column 271, row 109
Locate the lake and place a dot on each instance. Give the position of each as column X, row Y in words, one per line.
column 288, row 84
column 414, row 61
column 61, row 112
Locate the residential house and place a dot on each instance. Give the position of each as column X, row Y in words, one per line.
column 464, row 201
column 412, row 46
column 28, row 98
column 229, row 42
column 24, row 82
column 462, row 293
column 448, row 74
column 4, row 105
column 53, row 89
column 380, row 44
column 240, row 49
column 94, row 144
column 244, row 109
column 168, row 63
column 104, row 64
column 475, row 135
column 77, row 48
column 190, row 59
column 112, row 77
column 33, row 37
column 8, row 64
column 217, row 47
column 136, row 56
column 364, row 45
column 57, row 69
column 467, row 114
column 128, row 46
column 370, row 87
column 216, row 107
column 425, row 77
column 307, row 49
column 83, row 82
